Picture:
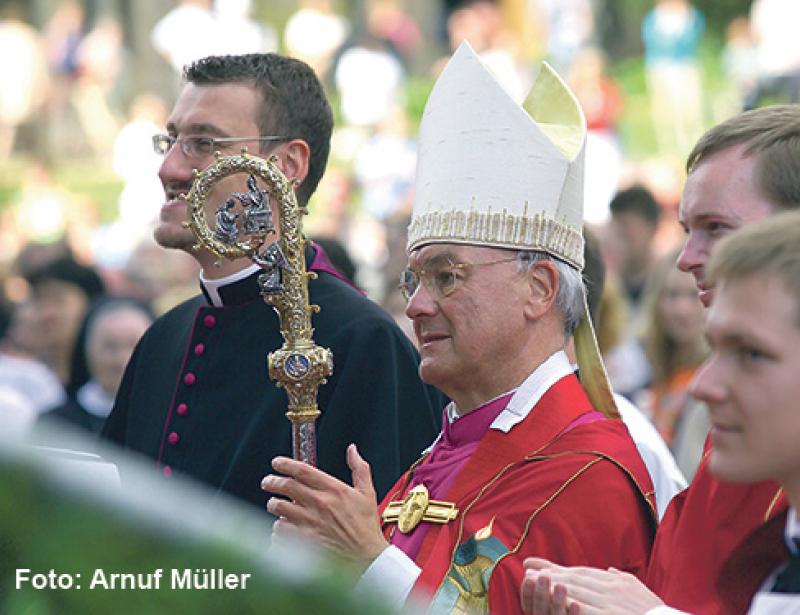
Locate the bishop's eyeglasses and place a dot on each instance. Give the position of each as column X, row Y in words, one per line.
column 197, row 146
column 440, row 276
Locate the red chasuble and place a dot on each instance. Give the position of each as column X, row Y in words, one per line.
column 555, row 486
column 702, row 528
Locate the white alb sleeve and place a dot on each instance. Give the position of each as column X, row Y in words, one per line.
column 392, row 574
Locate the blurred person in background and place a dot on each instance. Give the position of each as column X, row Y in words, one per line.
column 101, row 62
column 27, row 386
column 671, row 33
column 136, row 164
column 481, row 23
column 197, row 28
column 391, row 21
column 370, row 80
column 740, row 61
column 160, row 278
column 612, row 325
column 666, row 476
column 63, row 33
column 25, row 79
column 62, row 292
column 237, row 32
column 383, row 171
column 673, row 342
column 635, row 216
column 570, row 28
column 384, row 167
column 601, row 100
column 109, row 333
column 778, row 51
column 185, row 33
column 314, row 33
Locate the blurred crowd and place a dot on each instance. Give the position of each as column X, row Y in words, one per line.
column 79, row 288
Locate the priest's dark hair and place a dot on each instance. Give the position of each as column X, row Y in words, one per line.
column 293, row 102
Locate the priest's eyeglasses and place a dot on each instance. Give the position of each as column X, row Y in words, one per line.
column 441, row 278
column 196, row 146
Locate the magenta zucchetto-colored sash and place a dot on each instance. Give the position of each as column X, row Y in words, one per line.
column 458, row 441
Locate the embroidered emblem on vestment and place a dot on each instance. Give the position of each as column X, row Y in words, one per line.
column 465, row 588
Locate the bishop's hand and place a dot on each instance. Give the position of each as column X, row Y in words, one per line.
column 325, row 510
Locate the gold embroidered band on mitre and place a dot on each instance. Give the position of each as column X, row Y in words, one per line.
column 416, row 507
column 499, row 229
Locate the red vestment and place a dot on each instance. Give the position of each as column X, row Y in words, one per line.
column 702, row 528
column 574, row 492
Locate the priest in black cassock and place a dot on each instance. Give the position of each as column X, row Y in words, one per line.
column 196, row 396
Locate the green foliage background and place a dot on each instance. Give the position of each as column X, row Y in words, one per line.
column 44, row 525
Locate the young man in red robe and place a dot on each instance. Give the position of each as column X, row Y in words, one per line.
column 531, row 460
column 740, row 172
column 751, row 388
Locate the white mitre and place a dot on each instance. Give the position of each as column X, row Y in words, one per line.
column 492, row 173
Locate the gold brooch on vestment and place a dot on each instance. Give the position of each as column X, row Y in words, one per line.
column 417, row 506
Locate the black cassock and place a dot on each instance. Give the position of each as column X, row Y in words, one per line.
column 197, row 398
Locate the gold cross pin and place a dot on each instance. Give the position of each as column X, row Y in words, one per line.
column 416, row 507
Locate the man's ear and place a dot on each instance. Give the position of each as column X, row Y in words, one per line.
column 542, row 289
column 295, row 157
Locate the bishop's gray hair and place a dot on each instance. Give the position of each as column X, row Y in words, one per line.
column 570, row 288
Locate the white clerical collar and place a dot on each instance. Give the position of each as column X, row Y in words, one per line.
column 528, row 394
column 532, row 390
column 212, row 286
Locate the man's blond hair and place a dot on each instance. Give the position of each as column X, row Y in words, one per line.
column 771, row 135
column 770, row 248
